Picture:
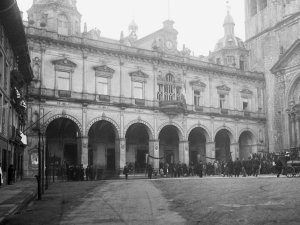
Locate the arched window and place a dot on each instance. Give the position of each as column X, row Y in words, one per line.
column 63, row 25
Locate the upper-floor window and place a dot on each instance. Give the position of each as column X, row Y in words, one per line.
column 169, row 91
column 262, row 4
column 219, row 61
column 230, row 59
column 63, row 80
column 138, row 90
column 197, row 98
column 245, row 104
column 222, row 100
column 102, row 86
column 63, row 25
column 253, row 7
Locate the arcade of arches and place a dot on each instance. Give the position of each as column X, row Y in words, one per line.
column 64, row 142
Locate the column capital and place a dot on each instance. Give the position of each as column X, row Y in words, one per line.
column 120, row 139
column 184, row 141
column 233, row 144
column 210, row 143
column 154, row 140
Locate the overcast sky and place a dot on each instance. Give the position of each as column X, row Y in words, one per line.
column 199, row 22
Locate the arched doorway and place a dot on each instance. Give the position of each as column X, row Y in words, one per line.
column 137, row 141
column 63, row 141
column 169, row 138
column 197, row 145
column 101, row 146
column 222, row 145
column 246, row 142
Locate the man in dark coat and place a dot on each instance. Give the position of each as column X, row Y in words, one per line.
column 237, row 167
column 255, row 165
column 81, row 173
column 249, row 166
column 150, row 171
column 200, row 168
column 126, row 171
column 87, row 173
column 230, row 167
column 278, row 166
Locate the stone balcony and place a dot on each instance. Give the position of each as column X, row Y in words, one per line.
column 168, row 107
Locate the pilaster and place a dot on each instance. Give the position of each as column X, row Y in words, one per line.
column 184, row 152
column 84, row 151
column 154, row 151
column 234, row 149
column 210, row 152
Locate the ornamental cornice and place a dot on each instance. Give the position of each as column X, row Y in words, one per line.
column 197, row 85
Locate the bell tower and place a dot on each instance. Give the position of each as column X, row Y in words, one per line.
column 57, row 16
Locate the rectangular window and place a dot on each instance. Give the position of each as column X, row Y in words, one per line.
column 230, row 59
column 160, row 93
column 63, row 81
column 222, row 101
column 245, row 104
column 253, row 7
column 218, row 61
column 197, row 98
column 138, row 90
column 102, row 86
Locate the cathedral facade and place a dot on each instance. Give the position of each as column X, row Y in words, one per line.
column 272, row 38
column 105, row 102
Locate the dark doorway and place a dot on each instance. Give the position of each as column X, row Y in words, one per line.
column 90, row 159
column 169, row 156
column 193, row 157
column 141, row 158
column 111, row 159
column 70, row 154
column 223, row 145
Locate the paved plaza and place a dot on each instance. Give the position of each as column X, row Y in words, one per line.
column 210, row 200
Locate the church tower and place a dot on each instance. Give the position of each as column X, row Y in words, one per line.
column 271, row 26
column 57, row 16
column 229, row 50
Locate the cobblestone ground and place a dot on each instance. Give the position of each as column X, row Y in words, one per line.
column 249, row 200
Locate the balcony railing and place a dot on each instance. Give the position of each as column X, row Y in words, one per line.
column 158, row 105
column 64, row 94
column 104, row 98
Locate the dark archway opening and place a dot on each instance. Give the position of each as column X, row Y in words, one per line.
column 169, row 144
column 197, row 145
column 222, row 149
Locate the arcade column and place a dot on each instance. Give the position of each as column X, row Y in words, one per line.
column 234, row 149
column 184, row 152
column 84, row 151
column 210, row 152
column 120, row 153
column 154, row 151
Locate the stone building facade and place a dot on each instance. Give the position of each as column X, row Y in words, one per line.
column 15, row 76
column 272, row 30
column 108, row 102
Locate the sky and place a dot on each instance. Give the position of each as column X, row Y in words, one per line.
column 199, row 22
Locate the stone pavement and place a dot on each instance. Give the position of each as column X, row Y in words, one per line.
column 13, row 197
column 123, row 202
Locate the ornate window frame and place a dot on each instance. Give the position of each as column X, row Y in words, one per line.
column 246, row 93
column 63, row 65
column 224, row 90
column 105, row 72
column 197, row 85
column 162, row 80
column 138, row 76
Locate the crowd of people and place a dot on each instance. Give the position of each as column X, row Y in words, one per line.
column 252, row 166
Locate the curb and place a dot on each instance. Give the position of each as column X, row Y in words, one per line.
column 20, row 205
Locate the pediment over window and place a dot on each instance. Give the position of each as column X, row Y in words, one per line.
column 138, row 76
column 246, row 91
column 223, row 88
column 104, row 71
column 197, row 84
column 64, row 65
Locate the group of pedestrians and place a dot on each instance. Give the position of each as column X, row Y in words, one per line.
column 78, row 173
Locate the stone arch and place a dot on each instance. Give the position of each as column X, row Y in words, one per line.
column 231, row 133
column 149, row 130
column 251, row 131
column 64, row 116
column 179, row 131
column 207, row 134
column 291, row 89
column 115, row 125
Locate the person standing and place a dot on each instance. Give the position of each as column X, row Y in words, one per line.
column 249, row 166
column 278, row 166
column 126, row 171
column 87, row 173
column 11, row 174
column 200, row 168
column 1, row 176
column 230, row 167
column 244, row 167
column 237, row 167
column 255, row 165
column 150, row 171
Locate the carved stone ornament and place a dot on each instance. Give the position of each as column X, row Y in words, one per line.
column 63, row 112
column 122, row 146
column 84, row 145
column 103, row 115
column 223, row 88
column 139, row 118
column 104, row 71
column 246, row 92
column 64, row 64
column 197, row 84
column 156, row 146
column 138, row 76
